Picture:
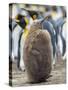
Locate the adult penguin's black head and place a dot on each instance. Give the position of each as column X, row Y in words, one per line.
column 21, row 21
column 33, row 14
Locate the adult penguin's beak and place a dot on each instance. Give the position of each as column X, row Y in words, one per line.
column 17, row 20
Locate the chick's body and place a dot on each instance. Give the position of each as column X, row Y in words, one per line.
column 37, row 54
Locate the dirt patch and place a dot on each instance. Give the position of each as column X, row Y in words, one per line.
column 57, row 76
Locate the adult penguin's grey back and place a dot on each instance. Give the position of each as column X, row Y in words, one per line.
column 37, row 54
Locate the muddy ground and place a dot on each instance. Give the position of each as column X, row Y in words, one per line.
column 57, row 76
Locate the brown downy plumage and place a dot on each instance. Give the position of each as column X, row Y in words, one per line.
column 37, row 53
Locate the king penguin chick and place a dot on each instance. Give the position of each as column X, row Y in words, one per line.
column 37, row 53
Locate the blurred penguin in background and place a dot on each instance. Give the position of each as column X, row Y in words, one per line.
column 19, row 23
column 56, row 12
column 46, row 25
column 25, row 22
column 16, row 30
column 58, row 24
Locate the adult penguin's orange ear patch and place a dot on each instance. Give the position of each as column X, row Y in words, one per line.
column 34, row 17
